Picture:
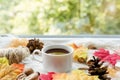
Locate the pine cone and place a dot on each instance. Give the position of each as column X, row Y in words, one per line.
column 34, row 44
column 95, row 68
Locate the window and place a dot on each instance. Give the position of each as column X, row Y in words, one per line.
column 59, row 17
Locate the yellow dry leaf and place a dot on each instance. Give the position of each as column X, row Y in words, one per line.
column 4, row 61
column 60, row 76
column 80, row 52
column 9, row 72
column 112, row 72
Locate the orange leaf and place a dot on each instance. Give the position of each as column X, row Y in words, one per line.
column 19, row 66
column 74, row 46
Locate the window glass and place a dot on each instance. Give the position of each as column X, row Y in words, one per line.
column 60, row 17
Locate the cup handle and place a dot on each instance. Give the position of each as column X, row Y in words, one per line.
column 37, row 54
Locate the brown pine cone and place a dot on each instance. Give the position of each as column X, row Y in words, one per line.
column 34, row 44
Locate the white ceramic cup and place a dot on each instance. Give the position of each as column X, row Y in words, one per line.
column 57, row 63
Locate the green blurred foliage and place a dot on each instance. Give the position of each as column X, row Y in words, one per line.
column 60, row 17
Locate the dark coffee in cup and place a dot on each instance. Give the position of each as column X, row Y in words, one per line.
column 57, row 51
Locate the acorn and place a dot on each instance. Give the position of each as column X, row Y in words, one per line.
column 33, row 76
column 91, row 46
column 81, row 60
column 28, row 71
